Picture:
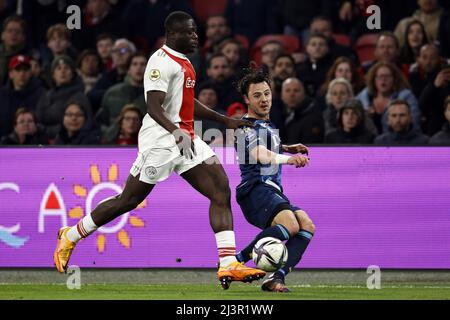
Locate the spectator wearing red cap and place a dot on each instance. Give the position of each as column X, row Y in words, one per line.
column 236, row 110
column 21, row 90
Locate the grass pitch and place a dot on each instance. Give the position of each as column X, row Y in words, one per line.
column 238, row 291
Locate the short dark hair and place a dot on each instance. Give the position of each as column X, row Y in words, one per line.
column 174, row 19
column 105, row 36
column 134, row 55
column 285, row 55
column 17, row 19
column 252, row 76
column 24, row 110
column 86, row 53
column 215, row 55
column 401, row 102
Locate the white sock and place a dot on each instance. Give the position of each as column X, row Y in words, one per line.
column 226, row 245
column 82, row 229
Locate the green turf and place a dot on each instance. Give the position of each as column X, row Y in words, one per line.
column 238, row 291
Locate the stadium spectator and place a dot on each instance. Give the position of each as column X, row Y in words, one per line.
column 339, row 93
column 443, row 137
column 401, row 129
column 342, row 67
column 431, row 100
column 350, row 125
column 126, row 127
column 58, row 43
column 235, row 53
column 426, row 68
column 26, row 130
column 387, row 49
column 77, row 127
column 252, row 18
column 13, row 43
column 217, row 30
column 222, row 79
column 312, row 72
column 121, row 53
column 269, row 51
column 89, row 68
column 324, row 26
column 386, row 83
column 105, row 44
column 414, row 38
column 284, row 67
column 38, row 72
column 207, row 95
column 302, row 121
column 22, row 89
column 121, row 94
column 66, row 86
column 429, row 13
column 298, row 15
column 99, row 16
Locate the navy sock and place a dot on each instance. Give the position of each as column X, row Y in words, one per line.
column 278, row 231
column 296, row 247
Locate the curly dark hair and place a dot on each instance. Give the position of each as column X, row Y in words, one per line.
column 252, row 76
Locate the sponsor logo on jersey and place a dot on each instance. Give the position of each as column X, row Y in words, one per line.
column 154, row 74
column 190, row 83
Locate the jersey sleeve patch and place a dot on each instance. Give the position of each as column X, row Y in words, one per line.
column 154, row 74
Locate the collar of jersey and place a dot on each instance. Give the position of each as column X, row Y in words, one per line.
column 173, row 52
column 256, row 120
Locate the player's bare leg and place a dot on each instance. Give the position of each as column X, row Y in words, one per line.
column 211, row 181
column 133, row 194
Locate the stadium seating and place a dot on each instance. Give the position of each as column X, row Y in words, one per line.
column 365, row 47
column 342, row 39
column 291, row 44
column 203, row 9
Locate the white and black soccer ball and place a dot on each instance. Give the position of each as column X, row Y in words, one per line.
column 269, row 254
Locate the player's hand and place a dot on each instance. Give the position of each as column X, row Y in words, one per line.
column 296, row 148
column 184, row 143
column 443, row 78
column 236, row 123
column 298, row 161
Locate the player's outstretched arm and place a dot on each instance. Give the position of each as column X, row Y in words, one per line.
column 295, row 148
column 203, row 112
column 155, row 100
column 265, row 156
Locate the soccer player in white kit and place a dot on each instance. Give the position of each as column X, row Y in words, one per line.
column 167, row 143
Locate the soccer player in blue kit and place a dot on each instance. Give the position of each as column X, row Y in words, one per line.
column 260, row 193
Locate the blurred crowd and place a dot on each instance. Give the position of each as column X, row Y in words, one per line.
column 334, row 80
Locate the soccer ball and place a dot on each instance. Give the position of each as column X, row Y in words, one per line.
column 269, row 254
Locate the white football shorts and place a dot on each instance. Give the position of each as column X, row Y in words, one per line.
column 157, row 163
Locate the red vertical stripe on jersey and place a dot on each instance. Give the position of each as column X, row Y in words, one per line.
column 187, row 103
